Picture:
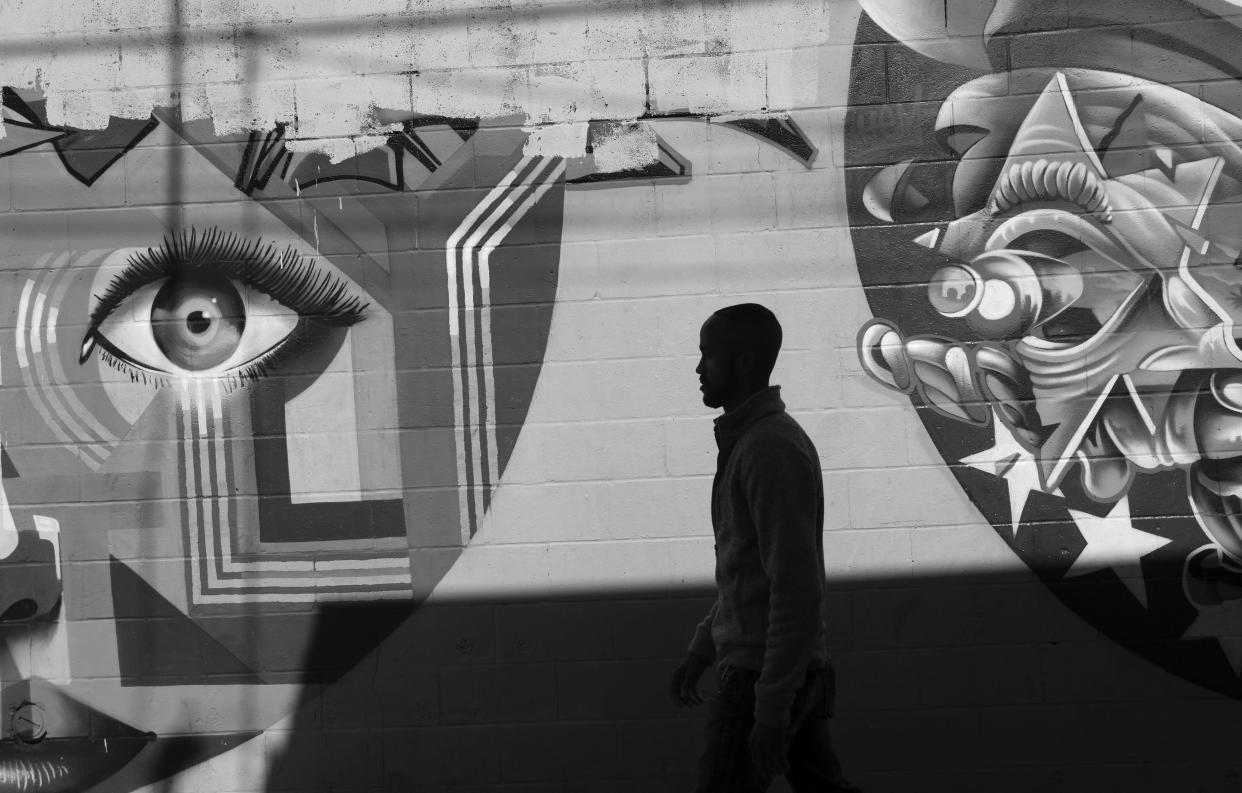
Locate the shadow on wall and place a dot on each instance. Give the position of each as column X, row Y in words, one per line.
column 979, row 682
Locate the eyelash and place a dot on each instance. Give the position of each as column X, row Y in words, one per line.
column 286, row 276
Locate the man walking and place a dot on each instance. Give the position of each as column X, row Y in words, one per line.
column 766, row 631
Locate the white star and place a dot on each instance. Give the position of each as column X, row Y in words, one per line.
column 1009, row 460
column 1221, row 623
column 1114, row 544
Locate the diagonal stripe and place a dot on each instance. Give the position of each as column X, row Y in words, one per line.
column 474, row 422
column 486, row 329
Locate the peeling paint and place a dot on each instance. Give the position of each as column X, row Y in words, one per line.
column 249, row 66
column 626, row 146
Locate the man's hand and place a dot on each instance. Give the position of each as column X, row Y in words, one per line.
column 769, row 748
column 684, row 687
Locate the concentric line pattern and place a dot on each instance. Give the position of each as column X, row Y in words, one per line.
column 43, row 372
column 468, row 261
column 220, row 572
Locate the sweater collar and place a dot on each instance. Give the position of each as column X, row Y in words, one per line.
column 731, row 425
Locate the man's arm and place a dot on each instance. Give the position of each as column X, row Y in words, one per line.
column 782, row 482
column 684, row 687
column 702, row 645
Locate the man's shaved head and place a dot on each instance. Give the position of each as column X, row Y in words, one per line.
column 752, row 327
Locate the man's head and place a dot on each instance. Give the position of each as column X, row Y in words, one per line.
column 738, row 346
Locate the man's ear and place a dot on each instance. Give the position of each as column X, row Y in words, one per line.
column 746, row 362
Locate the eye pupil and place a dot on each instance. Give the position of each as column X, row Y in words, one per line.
column 197, row 320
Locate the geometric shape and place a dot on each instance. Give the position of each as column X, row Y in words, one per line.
column 1054, row 129
column 381, row 166
column 281, row 519
column 878, row 195
column 167, row 756
column 322, row 436
column 7, row 469
column 1012, row 462
column 159, row 645
column 1114, row 544
column 783, row 132
column 667, row 164
column 260, row 161
column 29, row 579
column 928, row 239
column 87, row 154
column 60, row 745
column 19, row 137
column 310, row 647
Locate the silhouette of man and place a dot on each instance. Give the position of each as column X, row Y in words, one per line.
column 766, row 633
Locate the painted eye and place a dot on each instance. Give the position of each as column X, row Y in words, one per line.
column 215, row 305
column 196, row 324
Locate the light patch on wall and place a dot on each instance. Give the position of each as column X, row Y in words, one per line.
column 557, row 140
column 248, row 66
column 321, row 430
column 626, row 146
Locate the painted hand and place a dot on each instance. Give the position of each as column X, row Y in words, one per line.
column 769, row 748
column 684, row 687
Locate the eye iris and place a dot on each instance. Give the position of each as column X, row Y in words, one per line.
column 197, row 320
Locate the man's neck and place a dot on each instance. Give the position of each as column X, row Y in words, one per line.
column 743, row 395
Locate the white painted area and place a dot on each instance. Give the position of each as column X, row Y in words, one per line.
column 626, row 146
column 607, row 489
column 326, row 67
column 557, row 140
column 322, row 433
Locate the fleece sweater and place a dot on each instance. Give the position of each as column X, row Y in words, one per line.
column 768, row 518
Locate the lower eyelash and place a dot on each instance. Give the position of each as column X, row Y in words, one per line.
column 136, row 373
column 231, row 381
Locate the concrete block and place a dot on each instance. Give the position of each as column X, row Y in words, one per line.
column 929, row 497
column 560, row 631
column 526, row 509
column 868, row 555
column 861, row 438
column 655, row 508
column 611, row 690
column 658, row 267
column 494, row 694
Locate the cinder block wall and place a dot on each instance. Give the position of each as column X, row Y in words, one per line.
column 351, row 434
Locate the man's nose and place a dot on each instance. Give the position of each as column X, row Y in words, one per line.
column 30, row 584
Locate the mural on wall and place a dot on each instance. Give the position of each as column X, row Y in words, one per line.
column 1047, row 218
column 255, row 402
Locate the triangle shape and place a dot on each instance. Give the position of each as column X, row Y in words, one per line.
column 1184, row 199
column 1053, row 130
column 88, row 154
column 928, row 239
column 7, row 469
column 782, row 132
column 158, row 644
column 168, row 756
column 19, row 137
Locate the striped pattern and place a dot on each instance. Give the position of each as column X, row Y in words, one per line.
column 39, row 361
column 219, row 571
column 468, row 254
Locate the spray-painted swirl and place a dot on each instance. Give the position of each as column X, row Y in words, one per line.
column 1043, row 180
column 18, row 775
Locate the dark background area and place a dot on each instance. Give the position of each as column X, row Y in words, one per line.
column 972, row 682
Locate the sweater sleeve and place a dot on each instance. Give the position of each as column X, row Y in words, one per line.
column 702, row 645
column 782, row 488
